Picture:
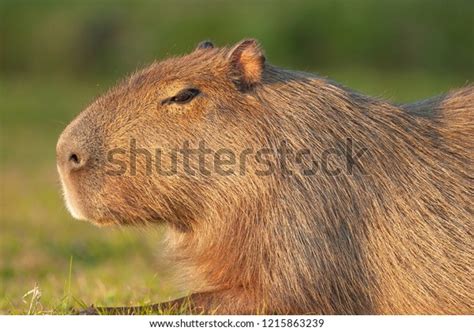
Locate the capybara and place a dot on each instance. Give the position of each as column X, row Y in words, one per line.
column 281, row 192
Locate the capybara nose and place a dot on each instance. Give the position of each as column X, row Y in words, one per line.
column 71, row 156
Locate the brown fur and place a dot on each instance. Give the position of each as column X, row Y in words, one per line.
column 393, row 237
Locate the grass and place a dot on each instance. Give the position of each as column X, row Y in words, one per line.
column 50, row 263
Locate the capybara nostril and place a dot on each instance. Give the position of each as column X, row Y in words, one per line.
column 71, row 156
column 76, row 161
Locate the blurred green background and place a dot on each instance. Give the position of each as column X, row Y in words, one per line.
column 56, row 57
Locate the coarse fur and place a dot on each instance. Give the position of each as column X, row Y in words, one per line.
column 391, row 236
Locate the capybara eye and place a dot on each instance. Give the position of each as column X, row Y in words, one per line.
column 182, row 97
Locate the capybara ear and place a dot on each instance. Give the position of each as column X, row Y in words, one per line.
column 205, row 44
column 247, row 63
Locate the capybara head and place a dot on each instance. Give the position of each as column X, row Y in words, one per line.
column 117, row 160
